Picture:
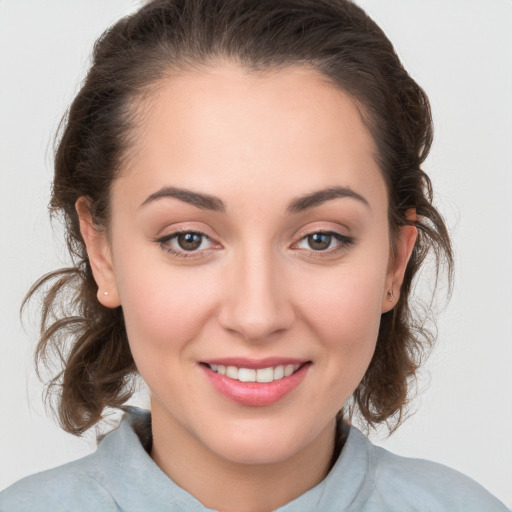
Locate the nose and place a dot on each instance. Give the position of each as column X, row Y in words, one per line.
column 257, row 301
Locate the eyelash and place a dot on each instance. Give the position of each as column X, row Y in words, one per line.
column 165, row 244
column 344, row 243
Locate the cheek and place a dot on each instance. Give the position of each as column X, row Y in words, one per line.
column 345, row 316
column 163, row 309
column 348, row 304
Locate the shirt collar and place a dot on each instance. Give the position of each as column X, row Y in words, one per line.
column 137, row 483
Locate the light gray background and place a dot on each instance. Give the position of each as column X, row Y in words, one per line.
column 460, row 51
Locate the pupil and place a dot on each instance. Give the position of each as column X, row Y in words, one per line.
column 319, row 241
column 189, row 241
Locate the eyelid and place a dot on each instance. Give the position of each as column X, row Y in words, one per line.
column 164, row 240
column 333, row 232
column 327, row 228
column 344, row 241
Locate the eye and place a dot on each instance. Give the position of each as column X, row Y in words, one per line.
column 189, row 241
column 327, row 241
column 319, row 241
column 185, row 243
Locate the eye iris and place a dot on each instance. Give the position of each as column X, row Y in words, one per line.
column 319, row 241
column 189, row 241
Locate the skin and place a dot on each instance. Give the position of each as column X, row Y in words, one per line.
column 255, row 288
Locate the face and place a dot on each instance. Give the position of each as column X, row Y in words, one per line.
column 249, row 240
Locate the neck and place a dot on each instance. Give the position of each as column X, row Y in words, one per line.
column 231, row 486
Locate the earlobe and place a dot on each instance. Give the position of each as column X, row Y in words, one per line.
column 404, row 247
column 98, row 251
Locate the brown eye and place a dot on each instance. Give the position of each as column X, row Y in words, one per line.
column 324, row 243
column 319, row 241
column 189, row 241
column 187, row 244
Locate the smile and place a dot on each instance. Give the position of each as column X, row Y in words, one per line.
column 255, row 384
column 266, row 375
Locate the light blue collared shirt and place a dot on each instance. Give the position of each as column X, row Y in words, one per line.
column 121, row 477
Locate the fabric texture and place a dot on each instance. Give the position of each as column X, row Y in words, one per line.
column 121, row 477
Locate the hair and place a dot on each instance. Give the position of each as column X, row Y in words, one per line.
column 164, row 37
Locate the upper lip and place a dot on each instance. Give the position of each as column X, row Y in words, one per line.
column 243, row 362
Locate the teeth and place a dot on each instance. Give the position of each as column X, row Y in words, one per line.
column 278, row 372
column 260, row 375
column 246, row 375
column 265, row 375
column 288, row 370
column 232, row 372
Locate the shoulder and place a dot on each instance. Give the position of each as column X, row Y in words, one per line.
column 426, row 485
column 73, row 486
column 367, row 478
column 106, row 480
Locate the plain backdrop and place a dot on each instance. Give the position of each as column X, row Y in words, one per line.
column 460, row 51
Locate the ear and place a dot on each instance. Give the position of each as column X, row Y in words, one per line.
column 98, row 251
column 398, row 263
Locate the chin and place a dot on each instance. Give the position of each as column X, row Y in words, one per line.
column 256, row 453
column 260, row 444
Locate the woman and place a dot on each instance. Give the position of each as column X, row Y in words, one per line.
column 243, row 196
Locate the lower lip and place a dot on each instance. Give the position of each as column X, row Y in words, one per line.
column 256, row 394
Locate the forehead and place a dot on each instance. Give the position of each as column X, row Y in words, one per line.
column 225, row 130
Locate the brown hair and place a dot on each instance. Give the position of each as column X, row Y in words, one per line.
column 334, row 37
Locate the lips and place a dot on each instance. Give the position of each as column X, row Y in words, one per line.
column 268, row 374
column 255, row 383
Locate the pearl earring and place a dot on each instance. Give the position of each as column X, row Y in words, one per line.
column 105, row 293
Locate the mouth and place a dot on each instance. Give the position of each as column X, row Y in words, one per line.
column 261, row 375
column 254, row 383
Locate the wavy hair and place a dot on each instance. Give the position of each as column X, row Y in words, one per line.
column 334, row 37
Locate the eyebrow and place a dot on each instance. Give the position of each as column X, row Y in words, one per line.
column 203, row 201
column 321, row 196
column 299, row 204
